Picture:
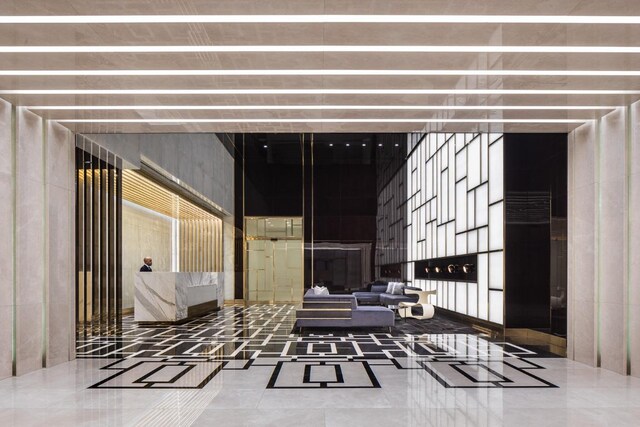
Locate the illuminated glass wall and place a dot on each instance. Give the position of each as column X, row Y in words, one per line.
column 445, row 202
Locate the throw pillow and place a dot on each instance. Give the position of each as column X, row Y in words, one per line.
column 398, row 289
column 390, row 287
column 320, row 290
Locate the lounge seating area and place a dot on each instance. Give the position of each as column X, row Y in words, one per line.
column 327, row 311
column 381, row 293
column 363, row 309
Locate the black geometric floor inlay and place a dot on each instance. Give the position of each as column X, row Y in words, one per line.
column 238, row 338
column 322, row 374
column 159, row 374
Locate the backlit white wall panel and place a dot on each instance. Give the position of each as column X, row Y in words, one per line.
column 449, row 200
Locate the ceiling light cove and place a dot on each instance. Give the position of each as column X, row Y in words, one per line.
column 267, row 120
column 321, row 19
column 315, row 107
column 572, row 73
column 319, row 48
column 317, row 92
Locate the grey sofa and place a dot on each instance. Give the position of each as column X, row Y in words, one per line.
column 377, row 295
column 327, row 311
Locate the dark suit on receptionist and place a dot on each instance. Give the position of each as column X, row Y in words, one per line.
column 148, row 262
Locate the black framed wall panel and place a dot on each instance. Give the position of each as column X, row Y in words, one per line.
column 449, row 191
column 536, row 230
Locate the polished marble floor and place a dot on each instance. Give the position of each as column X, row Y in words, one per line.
column 248, row 366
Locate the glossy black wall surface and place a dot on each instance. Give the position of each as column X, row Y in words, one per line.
column 329, row 179
column 344, row 185
column 535, row 168
column 273, row 174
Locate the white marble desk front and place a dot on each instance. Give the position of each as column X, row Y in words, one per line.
column 173, row 297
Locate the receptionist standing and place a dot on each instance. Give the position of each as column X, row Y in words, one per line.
column 148, row 262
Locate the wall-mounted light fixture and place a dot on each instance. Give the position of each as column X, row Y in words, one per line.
column 452, row 268
column 437, row 270
column 468, row 268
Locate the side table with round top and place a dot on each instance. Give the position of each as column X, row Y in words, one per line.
column 405, row 309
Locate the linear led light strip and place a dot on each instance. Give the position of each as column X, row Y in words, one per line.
column 318, row 48
column 316, row 107
column 267, row 120
column 320, row 19
column 612, row 73
column 317, row 92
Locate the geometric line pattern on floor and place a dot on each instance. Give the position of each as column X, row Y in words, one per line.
column 159, row 374
column 323, row 374
column 191, row 354
column 504, row 374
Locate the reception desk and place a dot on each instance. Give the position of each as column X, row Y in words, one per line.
column 176, row 297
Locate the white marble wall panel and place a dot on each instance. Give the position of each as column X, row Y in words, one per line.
column 60, row 319
column 581, row 321
column 6, row 242
column 611, row 259
column 30, row 241
column 37, row 166
column 166, row 297
column 157, row 298
column 633, row 234
column 604, row 242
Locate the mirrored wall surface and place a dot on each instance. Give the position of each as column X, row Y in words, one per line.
column 331, row 181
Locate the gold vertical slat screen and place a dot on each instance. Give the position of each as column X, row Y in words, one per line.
column 98, row 242
column 200, row 244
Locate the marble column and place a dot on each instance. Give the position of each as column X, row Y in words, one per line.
column 30, row 242
column 633, row 278
column 6, row 242
column 611, row 241
column 60, row 197
column 38, row 258
column 581, row 322
column 604, row 242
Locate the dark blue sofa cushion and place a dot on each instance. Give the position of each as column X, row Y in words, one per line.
column 367, row 297
column 381, row 288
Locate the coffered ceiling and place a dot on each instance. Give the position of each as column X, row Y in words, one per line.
column 320, row 66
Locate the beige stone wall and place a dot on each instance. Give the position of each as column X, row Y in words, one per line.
column 604, row 242
column 6, row 242
column 144, row 233
column 36, row 225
